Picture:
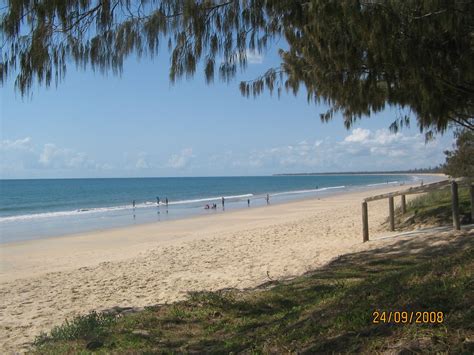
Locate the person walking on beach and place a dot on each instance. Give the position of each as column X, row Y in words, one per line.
column 268, row 199
column 248, row 202
column 158, row 204
column 223, row 202
column 166, row 201
column 133, row 203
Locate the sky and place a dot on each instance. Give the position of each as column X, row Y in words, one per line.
column 139, row 125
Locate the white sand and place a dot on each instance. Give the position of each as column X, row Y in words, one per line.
column 45, row 281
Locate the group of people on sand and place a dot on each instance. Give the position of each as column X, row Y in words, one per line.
column 214, row 205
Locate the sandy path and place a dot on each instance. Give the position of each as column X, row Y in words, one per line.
column 43, row 282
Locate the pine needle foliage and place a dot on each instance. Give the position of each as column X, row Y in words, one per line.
column 357, row 56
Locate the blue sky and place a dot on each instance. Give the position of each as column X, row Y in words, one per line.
column 139, row 124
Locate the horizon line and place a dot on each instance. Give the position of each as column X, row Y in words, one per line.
column 410, row 171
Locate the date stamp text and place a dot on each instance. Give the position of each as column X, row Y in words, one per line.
column 408, row 317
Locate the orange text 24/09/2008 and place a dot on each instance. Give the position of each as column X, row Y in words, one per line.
column 408, row 317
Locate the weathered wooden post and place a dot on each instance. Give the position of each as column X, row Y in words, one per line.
column 365, row 223
column 391, row 208
column 455, row 203
column 404, row 204
column 471, row 189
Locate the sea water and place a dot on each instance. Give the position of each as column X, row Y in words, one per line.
column 32, row 209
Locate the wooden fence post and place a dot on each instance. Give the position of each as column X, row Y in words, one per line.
column 365, row 223
column 455, row 203
column 471, row 189
column 391, row 208
column 404, row 204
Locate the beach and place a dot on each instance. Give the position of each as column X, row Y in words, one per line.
column 37, row 209
column 43, row 282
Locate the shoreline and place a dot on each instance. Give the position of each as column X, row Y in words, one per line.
column 210, row 214
column 93, row 221
column 12, row 268
column 43, row 282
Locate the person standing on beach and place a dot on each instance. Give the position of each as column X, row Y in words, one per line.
column 157, row 200
column 268, row 199
column 223, row 202
column 166, row 201
column 133, row 203
column 248, row 202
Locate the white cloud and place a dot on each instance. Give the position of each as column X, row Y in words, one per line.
column 142, row 164
column 63, row 158
column 254, row 57
column 358, row 135
column 16, row 155
column 20, row 158
column 142, row 161
column 384, row 137
column 381, row 137
column 181, row 160
column 360, row 150
column 19, row 144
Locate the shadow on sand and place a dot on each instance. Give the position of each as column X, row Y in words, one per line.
column 328, row 310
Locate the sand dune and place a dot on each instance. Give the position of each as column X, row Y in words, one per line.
column 45, row 281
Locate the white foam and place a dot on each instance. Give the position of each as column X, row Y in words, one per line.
column 83, row 211
column 307, row 191
column 207, row 199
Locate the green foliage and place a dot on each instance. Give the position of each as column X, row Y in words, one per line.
column 460, row 161
column 434, row 208
column 89, row 327
column 326, row 311
column 42, row 36
column 357, row 56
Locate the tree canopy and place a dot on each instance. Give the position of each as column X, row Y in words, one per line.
column 357, row 56
column 460, row 160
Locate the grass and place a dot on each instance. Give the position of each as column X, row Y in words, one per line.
column 91, row 326
column 434, row 208
column 325, row 311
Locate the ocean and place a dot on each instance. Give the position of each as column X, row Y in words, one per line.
column 33, row 209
